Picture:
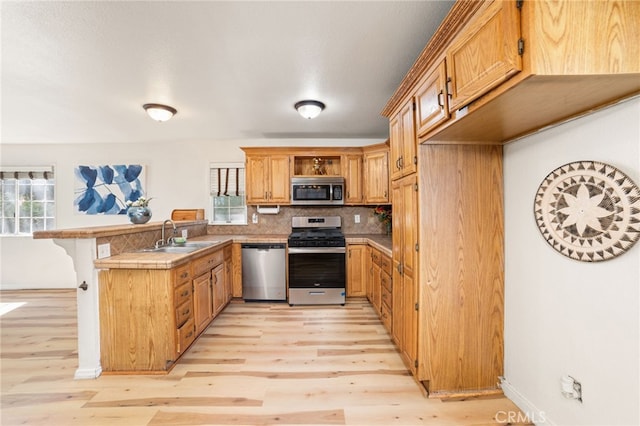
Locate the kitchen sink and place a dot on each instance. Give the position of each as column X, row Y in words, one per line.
column 170, row 249
column 199, row 244
column 187, row 247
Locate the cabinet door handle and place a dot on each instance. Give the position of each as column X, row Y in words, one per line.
column 441, row 102
column 449, row 91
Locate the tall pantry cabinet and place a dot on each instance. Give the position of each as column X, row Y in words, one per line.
column 448, row 267
column 489, row 75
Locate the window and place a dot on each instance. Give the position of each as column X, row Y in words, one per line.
column 28, row 200
column 228, row 199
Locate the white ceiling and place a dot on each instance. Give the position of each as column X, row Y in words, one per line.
column 79, row 72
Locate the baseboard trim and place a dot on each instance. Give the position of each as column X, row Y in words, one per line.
column 87, row 373
column 532, row 413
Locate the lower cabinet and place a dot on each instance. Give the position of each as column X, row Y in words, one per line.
column 149, row 317
column 381, row 294
column 219, row 287
column 202, row 297
column 356, row 267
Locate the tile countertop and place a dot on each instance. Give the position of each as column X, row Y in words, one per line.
column 107, row 231
column 156, row 260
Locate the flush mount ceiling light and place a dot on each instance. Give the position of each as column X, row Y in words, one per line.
column 159, row 112
column 309, row 109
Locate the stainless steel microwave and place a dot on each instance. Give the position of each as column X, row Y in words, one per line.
column 317, row 190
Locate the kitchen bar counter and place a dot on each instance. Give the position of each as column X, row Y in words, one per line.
column 108, row 231
column 159, row 260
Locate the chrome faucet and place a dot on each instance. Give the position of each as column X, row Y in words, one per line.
column 162, row 241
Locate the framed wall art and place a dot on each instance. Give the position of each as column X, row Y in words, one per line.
column 106, row 189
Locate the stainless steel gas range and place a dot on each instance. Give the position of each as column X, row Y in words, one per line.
column 317, row 259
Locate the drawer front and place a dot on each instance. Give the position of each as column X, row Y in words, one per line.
column 375, row 256
column 385, row 264
column 184, row 312
column 182, row 274
column 386, row 298
column 385, row 282
column 182, row 294
column 385, row 315
column 207, row 263
column 186, row 335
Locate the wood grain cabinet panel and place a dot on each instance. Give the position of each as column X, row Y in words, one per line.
column 202, row 297
column 461, row 268
column 402, row 139
column 405, row 273
column 268, row 179
column 138, row 324
column 352, row 173
column 432, row 100
column 485, row 54
column 356, row 272
column 376, row 174
column 148, row 318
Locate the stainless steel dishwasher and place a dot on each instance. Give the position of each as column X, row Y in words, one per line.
column 264, row 272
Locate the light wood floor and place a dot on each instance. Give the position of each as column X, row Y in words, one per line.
column 256, row 364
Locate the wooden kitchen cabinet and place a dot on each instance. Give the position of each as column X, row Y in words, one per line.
column 376, row 174
column 510, row 68
column 402, row 139
column 356, row 269
column 513, row 67
column 376, row 288
column 228, row 272
column 202, row 296
column 381, row 287
column 484, row 54
column 146, row 318
column 236, row 263
column 267, row 179
column 352, row 173
column 149, row 317
column 219, row 288
column 461, row 268
column 432, row 100
column 405, row 269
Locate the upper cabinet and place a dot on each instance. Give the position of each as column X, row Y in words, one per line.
column 513, row 67
column 432, row 102
column 376, row 174
column 484, row 55
column 402, row 137
column 352, row 173
column 365, row 171
column 267, row 179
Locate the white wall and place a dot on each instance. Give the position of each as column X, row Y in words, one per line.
column 563, row 316
column 177, row 177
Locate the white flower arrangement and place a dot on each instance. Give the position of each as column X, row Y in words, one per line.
column 140, row 202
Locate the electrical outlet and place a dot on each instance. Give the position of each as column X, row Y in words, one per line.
column 104, row 250
column 356, row 218
column 185, row 233
column 254, row 218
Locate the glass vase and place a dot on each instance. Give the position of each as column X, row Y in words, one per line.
column 139, row 215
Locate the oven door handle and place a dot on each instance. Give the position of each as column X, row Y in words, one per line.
column 305, row 250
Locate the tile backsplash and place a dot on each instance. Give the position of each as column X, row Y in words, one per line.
column 280, row 223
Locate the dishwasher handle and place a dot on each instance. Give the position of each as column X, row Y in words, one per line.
column 262, row 246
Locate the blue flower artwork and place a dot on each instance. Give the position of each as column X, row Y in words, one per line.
column 106, row 189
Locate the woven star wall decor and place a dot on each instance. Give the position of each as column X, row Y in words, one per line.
column 588, row 211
